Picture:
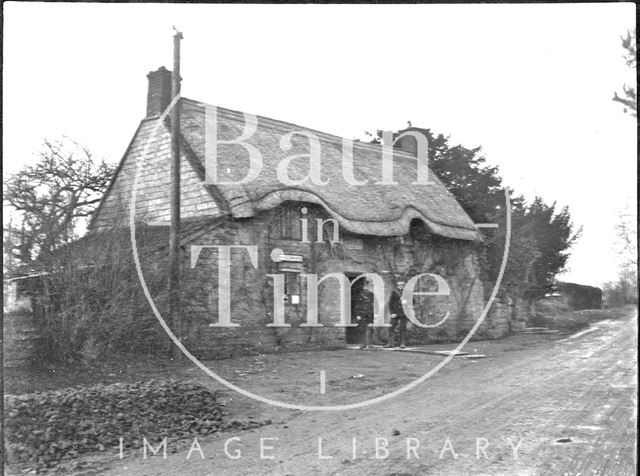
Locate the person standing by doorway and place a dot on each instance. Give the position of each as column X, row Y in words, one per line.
column 363, row 310
column 398, row 317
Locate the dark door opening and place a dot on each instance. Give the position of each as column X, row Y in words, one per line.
column 353, row 334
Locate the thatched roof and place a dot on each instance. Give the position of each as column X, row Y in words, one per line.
column 371, row 209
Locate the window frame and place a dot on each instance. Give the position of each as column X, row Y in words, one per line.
column 289, row 225
column 292, row 283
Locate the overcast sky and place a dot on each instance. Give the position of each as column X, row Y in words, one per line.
column 531, row 84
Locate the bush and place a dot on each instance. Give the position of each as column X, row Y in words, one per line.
column 90, row 303
column 47, row 428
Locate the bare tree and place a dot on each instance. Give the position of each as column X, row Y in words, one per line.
column 627, row 232
column 628, row 96
column 625, row 289
column 53, row 196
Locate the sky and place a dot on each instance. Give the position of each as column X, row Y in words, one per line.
column 530, row 83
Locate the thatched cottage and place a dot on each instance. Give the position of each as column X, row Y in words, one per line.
column 393, row 230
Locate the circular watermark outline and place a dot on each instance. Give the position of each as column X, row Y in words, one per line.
column 270, row 401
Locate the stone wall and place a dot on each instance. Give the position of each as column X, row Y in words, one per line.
column 251, row 296
column 450, row 316
column 252, row 289
column 20, row 338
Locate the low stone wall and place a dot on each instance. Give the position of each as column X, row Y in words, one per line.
column 498, row 321
column 20, row 339
column 20, row 335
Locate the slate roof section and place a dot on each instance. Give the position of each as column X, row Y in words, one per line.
column 371, row 209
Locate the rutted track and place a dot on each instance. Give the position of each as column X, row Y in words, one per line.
column 581, row 389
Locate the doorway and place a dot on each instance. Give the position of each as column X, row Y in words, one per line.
column 354, row 334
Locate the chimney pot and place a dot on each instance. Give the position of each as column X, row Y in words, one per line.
column 159, row 92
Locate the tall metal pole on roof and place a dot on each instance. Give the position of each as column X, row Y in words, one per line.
column 174, row 234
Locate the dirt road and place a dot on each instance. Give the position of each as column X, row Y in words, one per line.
column 562, row 406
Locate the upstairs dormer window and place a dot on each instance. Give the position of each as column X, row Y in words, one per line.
column 289, row 226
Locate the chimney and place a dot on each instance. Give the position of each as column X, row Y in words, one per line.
column 159, row 93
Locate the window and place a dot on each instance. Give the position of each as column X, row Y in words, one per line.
column 292, row 287
column 289, row 222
